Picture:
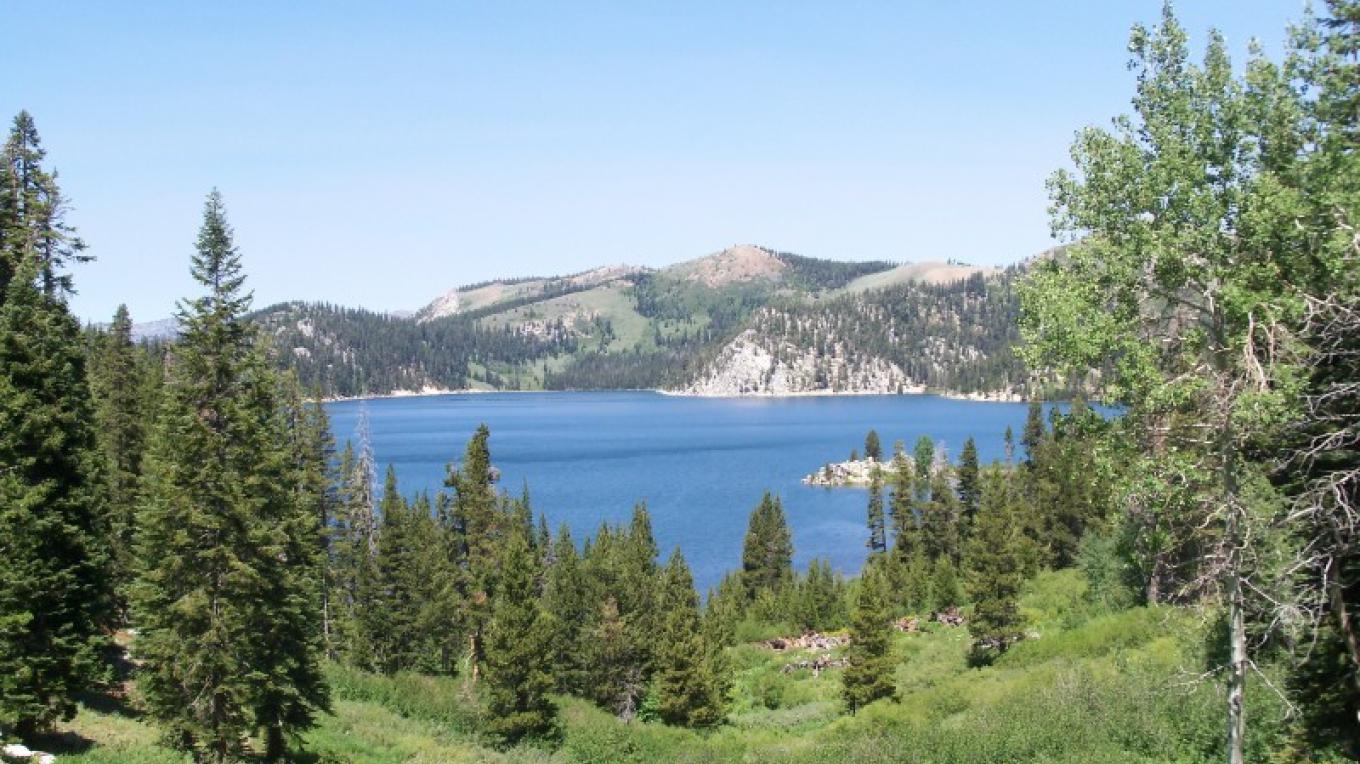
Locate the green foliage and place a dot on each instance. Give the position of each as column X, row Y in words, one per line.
column 995, row 571
column 873, row 448
column 878, row 532
column 767, row 551
column 227, row 598
column 54, row 582
column 940, row 517
column 969, row 489
column 869, row 676
column 518, row 658
column 119, row 382
column 905, row 524
column 686, row 687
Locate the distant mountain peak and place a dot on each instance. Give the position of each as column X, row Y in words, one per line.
column 737, row 264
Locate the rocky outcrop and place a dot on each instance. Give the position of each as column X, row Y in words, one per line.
column 754, row 365
column 950, row 616
column 14, row 752
column 809, row 641
column 816, row 665
column 849, row 473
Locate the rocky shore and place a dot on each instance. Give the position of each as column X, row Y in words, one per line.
column 853, row 474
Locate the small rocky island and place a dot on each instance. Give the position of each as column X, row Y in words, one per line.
column 853, row 473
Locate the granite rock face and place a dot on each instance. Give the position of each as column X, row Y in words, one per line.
column 755, row 365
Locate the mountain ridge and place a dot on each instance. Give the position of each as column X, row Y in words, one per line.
column 744, row 320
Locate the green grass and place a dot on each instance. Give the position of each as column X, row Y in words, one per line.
column 1086, row 686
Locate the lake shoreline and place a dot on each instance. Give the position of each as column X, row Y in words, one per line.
column 428, row 392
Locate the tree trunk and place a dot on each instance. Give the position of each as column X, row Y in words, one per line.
column 274, row 748
column 1237, row 668
column 1154, row 584
column 1347, row 624
column 472, row 656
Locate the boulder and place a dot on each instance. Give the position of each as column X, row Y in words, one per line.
column 907, row 624
column 949, row 617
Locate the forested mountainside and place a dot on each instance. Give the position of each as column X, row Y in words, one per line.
column 955, row 336
column 747, row 320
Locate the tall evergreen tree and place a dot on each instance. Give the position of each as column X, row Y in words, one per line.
column 1034, row 431
column 873, row 447
column 686, row 687
column 767, row 552
column 518, row 648
column 566, row 598
column 289, row 686
column 902, row 503
column 116, row 380
column 33, row 225
column 482, row 525
column 923, row 461
column 968, row 487
column 869, row 676
column 995, row 570
column 391, row 619
column 878, row 532
column 226, row 599
column 940, row 519
column 54, row 579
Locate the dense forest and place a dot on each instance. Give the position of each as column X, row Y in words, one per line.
column 191, row 567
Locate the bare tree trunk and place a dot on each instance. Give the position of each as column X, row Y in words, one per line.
column 1237, row 667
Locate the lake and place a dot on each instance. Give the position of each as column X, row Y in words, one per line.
column 701, row 464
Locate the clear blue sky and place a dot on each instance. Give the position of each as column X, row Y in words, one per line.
column 376, row 154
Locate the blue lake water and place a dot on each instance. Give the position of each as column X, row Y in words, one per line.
column 701, row 464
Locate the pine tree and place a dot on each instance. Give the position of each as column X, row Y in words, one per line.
column 518, row 649
column 566, row 600
column 354, row 548
column 116, row 381
column 969, row 489
column 391, row 618
column 878, row 532
column 722, row 610
column 54, row 583
column 226, row 602
column 922, row 461
column 940, row 519
column 482, row 524
column 615, row 679
column 289, row 686
column 944, row 584
column 821, row 597
column 1034, row 431
column 686, row 688
column 317, row 490
column 995, row 571
column 767, row 552
column 873, row 447
column 917, row 581
column 902, row 502
column 869, row 676
column 33, row 227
